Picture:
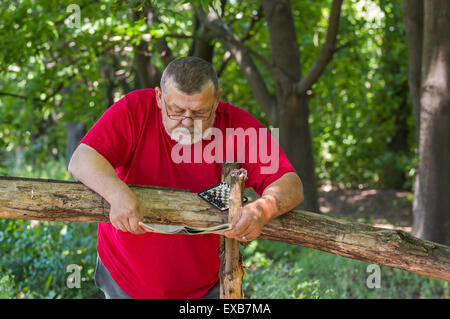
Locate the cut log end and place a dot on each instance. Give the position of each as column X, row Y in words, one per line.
column 240, row 173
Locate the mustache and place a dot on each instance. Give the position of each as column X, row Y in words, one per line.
column 186, row 136
column 183, row 129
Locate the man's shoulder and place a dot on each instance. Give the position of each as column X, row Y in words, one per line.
column 141, row 95
column 139, row 102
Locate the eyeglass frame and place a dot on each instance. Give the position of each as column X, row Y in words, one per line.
column 182, row 117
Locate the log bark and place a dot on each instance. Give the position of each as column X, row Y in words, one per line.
column 231, row 270
column 54, row 200
column 51, row 200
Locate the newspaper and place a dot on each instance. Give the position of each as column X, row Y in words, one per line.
column 187, row 230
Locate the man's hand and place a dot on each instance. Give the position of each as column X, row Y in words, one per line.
column 248, row 222
column 126, row 212
column 278, row 198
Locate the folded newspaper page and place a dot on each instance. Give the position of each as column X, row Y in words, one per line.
column 187, row 230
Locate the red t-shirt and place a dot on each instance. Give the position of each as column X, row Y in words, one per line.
column 131, row 136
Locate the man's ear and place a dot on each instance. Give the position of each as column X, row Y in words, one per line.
column 219, row 92
column 158, row 96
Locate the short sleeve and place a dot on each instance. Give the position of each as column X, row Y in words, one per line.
column 265, row 161
column 113, row 135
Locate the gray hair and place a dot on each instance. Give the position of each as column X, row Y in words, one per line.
column 189, row 75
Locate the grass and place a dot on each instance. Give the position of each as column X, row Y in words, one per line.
column 34, row 265
column 279, row 270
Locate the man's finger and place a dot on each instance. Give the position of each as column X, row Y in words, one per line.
column 122, row 224
column 242, row 226
column 236, row 224
column 135, row 227
column 119, row 226
column 237, row 233
column 252, row 235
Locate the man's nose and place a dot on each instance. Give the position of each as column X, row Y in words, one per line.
column 188, row 122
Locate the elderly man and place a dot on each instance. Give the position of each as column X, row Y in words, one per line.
column 133, row 143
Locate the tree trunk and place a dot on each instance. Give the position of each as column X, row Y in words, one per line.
column 147, row 75
column 75, row 132
column 413, row 19
column 25, row 198
column 295, row 140
column 201, row 46
column 431, row 206
column 292, row 106
column 288, row 110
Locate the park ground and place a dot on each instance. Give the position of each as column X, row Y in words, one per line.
column 378, row 207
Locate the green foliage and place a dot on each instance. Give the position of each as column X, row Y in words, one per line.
column 278, row 270
column 7, row 285
column 360, row 119
column 52, row 73
column 36, row 255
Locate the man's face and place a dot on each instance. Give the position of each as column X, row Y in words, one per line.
column 182, row 112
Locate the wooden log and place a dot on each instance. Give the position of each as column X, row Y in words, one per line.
column 231, row 270
column 37, row 199
column 54, row 200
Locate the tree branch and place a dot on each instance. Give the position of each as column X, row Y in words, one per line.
column 232, row 43
column 326, row 52
column 23, row 97
column 254, row 20
column 147, row 75
column 160, row 44
column 247, row 36
column 226, row 58
column 345, row 45
column 235, row 42
column 185, row 36
column 283, row 43
column 201, row 45
column 35, row 99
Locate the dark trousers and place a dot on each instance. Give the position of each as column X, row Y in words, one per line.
column 111, row 289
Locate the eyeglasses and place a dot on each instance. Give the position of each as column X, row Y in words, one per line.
column 179, row 117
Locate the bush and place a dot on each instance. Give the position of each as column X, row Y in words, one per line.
column 36, row 255
column 7, row 285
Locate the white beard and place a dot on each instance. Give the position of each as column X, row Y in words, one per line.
column 187, row 136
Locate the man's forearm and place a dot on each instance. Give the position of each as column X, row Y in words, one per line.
column 94, row 171
column 281, row 196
